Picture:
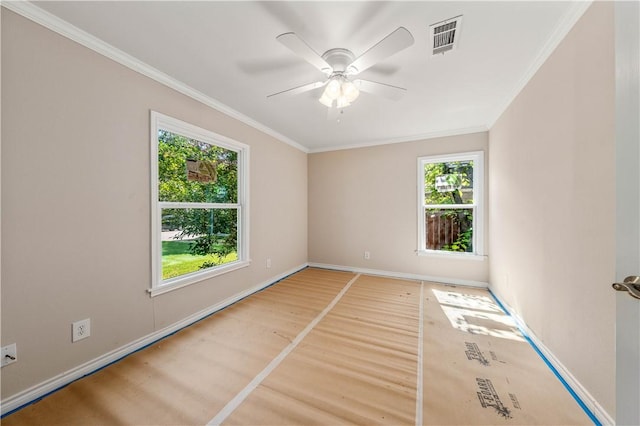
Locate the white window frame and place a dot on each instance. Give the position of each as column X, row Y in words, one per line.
column 173, row 125
column 478, row 204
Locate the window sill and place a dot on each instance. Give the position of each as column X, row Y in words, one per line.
column 179, row 282
column 451, row 255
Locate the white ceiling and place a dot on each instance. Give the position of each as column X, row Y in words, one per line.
column 228, row 52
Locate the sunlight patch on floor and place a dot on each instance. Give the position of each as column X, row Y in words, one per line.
column 476, row 314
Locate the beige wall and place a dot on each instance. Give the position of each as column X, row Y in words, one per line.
column 366, row 199
column 75, row 198
column 552, row 203
column 76, row 207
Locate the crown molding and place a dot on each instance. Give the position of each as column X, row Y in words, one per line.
column 566, row 24
column 64, row 28
column 413, row 138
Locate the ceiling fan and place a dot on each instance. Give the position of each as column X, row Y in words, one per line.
column 340, row 65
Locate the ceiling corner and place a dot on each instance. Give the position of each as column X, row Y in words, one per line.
column 565, row 25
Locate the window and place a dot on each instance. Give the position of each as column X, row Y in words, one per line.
column 199, row 188
column 450, row 216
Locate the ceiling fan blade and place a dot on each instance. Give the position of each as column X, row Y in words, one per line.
column 388, row 91
column 302, row 49
column 299, row 89
column 398, row 40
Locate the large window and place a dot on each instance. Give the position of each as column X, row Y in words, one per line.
column 450, row 216
column 199, row 203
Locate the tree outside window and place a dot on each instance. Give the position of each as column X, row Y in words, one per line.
column 449, row 191
column 199, row 197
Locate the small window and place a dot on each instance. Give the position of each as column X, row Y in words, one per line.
column 199, row 199
column 450, row 215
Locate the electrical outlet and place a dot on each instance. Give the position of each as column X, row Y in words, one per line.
column 269, row 263
column 9, row 354
column 80, row 330
column 367, row 255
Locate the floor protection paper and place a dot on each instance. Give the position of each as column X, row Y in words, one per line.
column 189, row 376
column 357, row 366
column 349, row 349
column 479, row 369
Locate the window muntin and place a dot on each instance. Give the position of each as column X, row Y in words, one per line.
column 450, row 204
column 199, row 199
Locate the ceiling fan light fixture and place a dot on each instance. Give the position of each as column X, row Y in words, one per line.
column 350, row 91
column 341, row 90
column 342, row 102
column 326, row 100
column 339, row 64
column 333, row 88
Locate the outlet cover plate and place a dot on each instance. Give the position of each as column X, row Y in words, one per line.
column 9, row 354
column 80, row 330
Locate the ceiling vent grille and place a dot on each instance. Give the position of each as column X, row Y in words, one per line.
column 444, row 35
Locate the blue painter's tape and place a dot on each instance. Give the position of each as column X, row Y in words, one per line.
column 575, row 396
column 145, row 346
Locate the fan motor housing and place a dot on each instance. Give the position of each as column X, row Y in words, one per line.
column 339, row 59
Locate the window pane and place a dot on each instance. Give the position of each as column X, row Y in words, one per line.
column 448, row 182
column 449, row 229
column 197, row 239
column 194, row 171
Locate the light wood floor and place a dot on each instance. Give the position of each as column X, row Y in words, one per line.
column 326, row 347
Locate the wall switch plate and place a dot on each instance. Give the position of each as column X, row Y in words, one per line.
column 9, row 354
column 367, row 255
column 269, row 263
column 80, row 330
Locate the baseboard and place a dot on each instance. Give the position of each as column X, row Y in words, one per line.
column 42, row 389
column 14, row 402
column 589, row 404
column 402, row 275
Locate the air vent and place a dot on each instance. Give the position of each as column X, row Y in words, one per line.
column 444, row 35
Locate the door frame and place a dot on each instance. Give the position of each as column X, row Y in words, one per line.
column 627, row 142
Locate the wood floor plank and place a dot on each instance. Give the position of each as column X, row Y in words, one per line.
column 188, row 377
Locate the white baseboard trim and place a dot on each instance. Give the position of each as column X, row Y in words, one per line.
column 50, row 385
column 585, row 397
column 402, row 275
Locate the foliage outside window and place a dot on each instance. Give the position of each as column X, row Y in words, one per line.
column 450, row 208
column 199, row 198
